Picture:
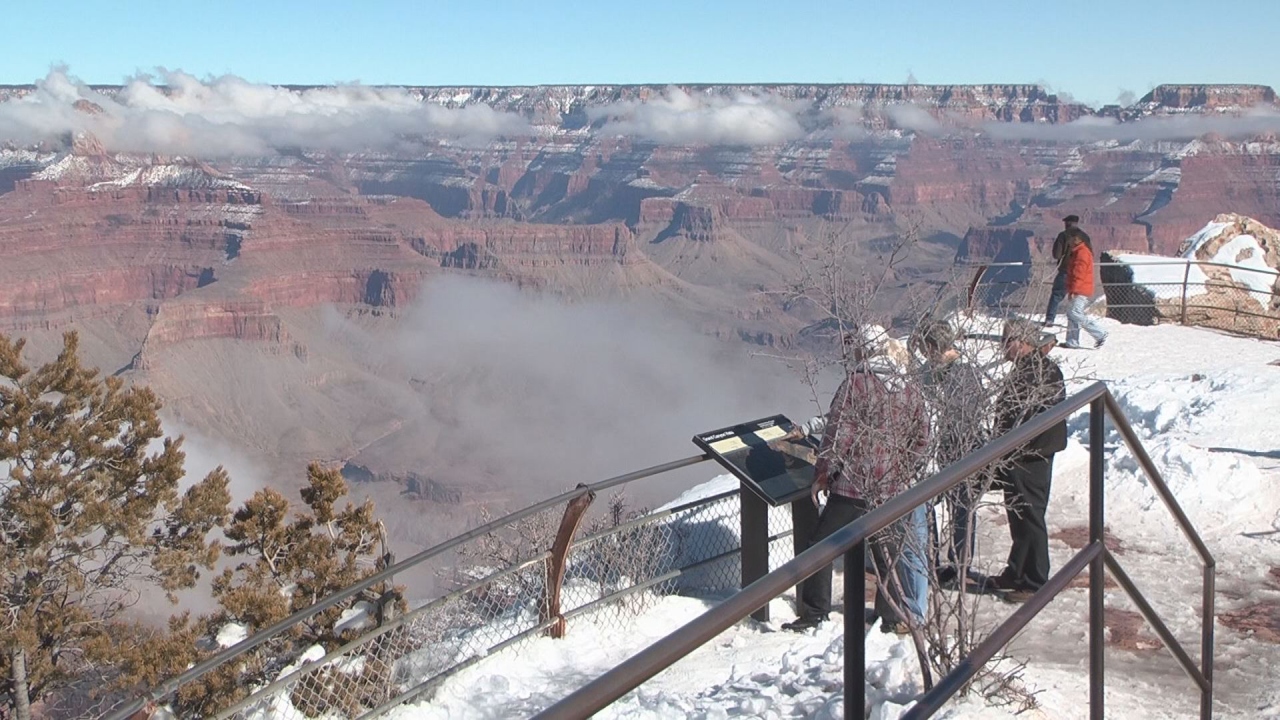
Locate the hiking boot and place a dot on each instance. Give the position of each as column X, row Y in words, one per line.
column 1071, row 346
column 898, row 628
column 1020, row 595
column 803, row 623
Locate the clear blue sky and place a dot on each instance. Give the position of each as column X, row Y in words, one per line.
column 1092, row 49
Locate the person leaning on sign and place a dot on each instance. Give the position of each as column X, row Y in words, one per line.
column 1034, row 385
column 874, row 444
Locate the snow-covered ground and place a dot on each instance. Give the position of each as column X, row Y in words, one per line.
column 1204, row 402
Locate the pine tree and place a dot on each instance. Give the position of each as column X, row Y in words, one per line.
column 289, row 559
column 92, row 515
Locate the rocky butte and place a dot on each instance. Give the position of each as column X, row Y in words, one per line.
column 216, row 278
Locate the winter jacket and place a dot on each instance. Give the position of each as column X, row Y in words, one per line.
column 1080, row 270
column 1060, row 245
column 876, row 439
column 957, row 399
column 1060, row 251
column 1034, row 385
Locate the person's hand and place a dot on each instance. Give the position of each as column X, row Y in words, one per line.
column 820, row 485
column 795, row 433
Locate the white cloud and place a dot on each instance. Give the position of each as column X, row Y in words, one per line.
column 678, row 118
column 229, row 115
column 1258, row 121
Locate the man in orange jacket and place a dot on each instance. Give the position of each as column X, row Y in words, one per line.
column 1079, row 291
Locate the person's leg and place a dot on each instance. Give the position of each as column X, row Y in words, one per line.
column 1056, row 294
column 1035, row 491
column 813, row 599
column 1016, row 511
column 915, row 582
column 1075, row 312
column 963, row 501
column 887, row 599
column 1086, row 321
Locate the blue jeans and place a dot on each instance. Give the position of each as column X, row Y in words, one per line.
column 1058, row 292
column 1078, row 317
column 912, row 568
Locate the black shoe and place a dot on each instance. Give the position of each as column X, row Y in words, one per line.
column 803, row 623
column 1001, row 582
column 946, row 576
column 1098, row 343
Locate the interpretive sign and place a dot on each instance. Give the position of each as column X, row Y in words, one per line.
column 779, row 471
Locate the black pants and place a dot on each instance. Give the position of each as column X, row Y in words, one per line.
column 1056, row 294
column 813, row 596
column 1026, row 497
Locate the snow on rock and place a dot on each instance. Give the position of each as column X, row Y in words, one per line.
column 357, row 617
column 1191, row 246
column 231, row 633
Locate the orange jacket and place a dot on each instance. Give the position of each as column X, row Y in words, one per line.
column 1080, row 270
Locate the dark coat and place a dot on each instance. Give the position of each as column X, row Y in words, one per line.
column 957, row 395
column 1060, row 253
column 1034, row 385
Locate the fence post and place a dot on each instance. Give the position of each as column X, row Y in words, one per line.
column 855, row 632
column 573, row 513
column 1097, row 568
column 1186, row 279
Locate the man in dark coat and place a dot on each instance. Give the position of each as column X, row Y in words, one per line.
column 1060, row 255
column 1034, row 385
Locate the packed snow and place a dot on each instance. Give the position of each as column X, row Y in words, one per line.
column 1202, row 401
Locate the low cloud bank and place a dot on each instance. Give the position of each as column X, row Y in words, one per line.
column 231, row 116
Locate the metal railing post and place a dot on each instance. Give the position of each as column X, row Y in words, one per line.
column 1097, row 606
column 1186, row 279
column 1206, row 642
column 855, row 633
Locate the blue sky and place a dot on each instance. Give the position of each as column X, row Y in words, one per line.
column 1092, row 49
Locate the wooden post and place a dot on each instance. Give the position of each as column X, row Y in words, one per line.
column 18, row 670
column 560, row 556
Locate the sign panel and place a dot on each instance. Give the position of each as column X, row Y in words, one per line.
column 779, row 471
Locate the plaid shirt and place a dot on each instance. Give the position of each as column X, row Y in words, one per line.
column 876, row 441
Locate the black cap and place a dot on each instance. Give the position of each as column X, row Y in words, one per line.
column 1071, row 218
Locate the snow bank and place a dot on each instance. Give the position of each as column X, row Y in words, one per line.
column 1164, row 277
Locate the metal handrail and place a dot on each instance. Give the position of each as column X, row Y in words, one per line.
column 1157, row 261
column 850, row 542
column 200, row 669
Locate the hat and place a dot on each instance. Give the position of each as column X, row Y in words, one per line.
column 1071, row 218
column 1025, row 331
column 935, row 334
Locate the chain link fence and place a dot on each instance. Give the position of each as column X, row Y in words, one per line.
column 1236, row 298
column 496, row 598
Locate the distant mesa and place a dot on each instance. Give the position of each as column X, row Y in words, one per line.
column 1209, row 97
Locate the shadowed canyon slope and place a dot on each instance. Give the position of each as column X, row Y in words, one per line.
column 268, row 295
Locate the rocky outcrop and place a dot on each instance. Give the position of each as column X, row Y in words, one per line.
column 1207, row 97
